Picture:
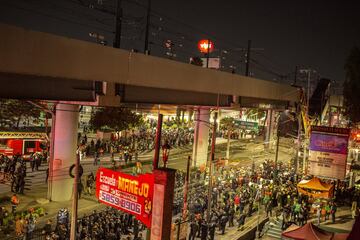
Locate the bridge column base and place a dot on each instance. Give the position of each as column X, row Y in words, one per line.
column 65, row 144
column 201, row 137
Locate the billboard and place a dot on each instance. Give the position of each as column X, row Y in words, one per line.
column 328, row 152
column 214, row 62
column 131, row 194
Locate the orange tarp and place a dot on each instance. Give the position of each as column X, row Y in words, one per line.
column 320, row 189
column 316, row 184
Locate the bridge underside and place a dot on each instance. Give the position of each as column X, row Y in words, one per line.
column 35, row 65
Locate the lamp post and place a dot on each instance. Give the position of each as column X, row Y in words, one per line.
column 206, row 46
column 165, row 153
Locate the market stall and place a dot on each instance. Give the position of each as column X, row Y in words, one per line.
column 315, row 188
column 307, row 232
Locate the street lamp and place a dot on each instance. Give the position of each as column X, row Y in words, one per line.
column 206, row 46
column 165, row 153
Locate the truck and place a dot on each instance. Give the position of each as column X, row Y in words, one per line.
column 22, row 143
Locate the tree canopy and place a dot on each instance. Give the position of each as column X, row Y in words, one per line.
column 13, row 112
column 352, row 86
column 227, row 123
column 114, row 119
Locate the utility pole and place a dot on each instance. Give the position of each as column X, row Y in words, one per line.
column 118, row 22
column 277, row 150
column 208, row 54
column 308, row 92
column 298, row 139
column 74, row 212
column 186, row 189
column 295, row 75
column 247, row 69
column 146, row 48
column 211, row 162
column 158, row 141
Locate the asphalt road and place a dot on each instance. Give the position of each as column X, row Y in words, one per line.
column 244, row 151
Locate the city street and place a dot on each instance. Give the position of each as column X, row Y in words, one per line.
column 242, row 151
column 179, row 120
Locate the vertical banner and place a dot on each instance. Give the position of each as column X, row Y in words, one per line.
column 328, row 151
column 162, row 203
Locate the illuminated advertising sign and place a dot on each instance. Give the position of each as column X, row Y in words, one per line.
column 131, row 194
column 205, row 46
column 328, row 152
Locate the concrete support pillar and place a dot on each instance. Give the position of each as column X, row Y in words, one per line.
column 201, row 137
column 65, row 144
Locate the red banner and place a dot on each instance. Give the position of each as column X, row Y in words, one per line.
column 131, row 194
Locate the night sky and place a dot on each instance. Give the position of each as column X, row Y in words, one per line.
column 311, row 34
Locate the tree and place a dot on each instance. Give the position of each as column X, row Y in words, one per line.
column 254, row 114
column 228, row 124
column 352, row 86
column 13, row 112
column 196, row 61
column 114, row 119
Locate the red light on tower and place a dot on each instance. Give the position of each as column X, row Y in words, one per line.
column 205, row 46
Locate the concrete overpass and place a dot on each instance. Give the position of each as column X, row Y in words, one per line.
column 36, row 65
column 45, row 66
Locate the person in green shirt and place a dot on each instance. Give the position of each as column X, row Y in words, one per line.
column 327, row 213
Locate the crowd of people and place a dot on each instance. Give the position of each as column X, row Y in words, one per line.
column 239, row 192
column 108, row 224
column 13, row 169
column 126, row 148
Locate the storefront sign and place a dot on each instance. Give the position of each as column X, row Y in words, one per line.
column 131, row 194
column 328, row 152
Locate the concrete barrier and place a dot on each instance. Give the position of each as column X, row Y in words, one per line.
column 250, row 233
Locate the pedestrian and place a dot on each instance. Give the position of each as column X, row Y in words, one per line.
column 212, row 231
column 204, row 231
column 14, row 203
column 29, row 228
column 241, row 220
column 136, row 229
column 32, row 161
column 38, row 160
column 318, row 214
column 21, row 183
column 89, row 182
column 47, row 228
column 14, row 182
column 96, row 158
column 327, row 211
column 269, row 208
column 80, row 189
column 223, row 220
column 353, row 209
column 231, row 216
column 333, row 211
column 194, row 228
column 19, row 226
